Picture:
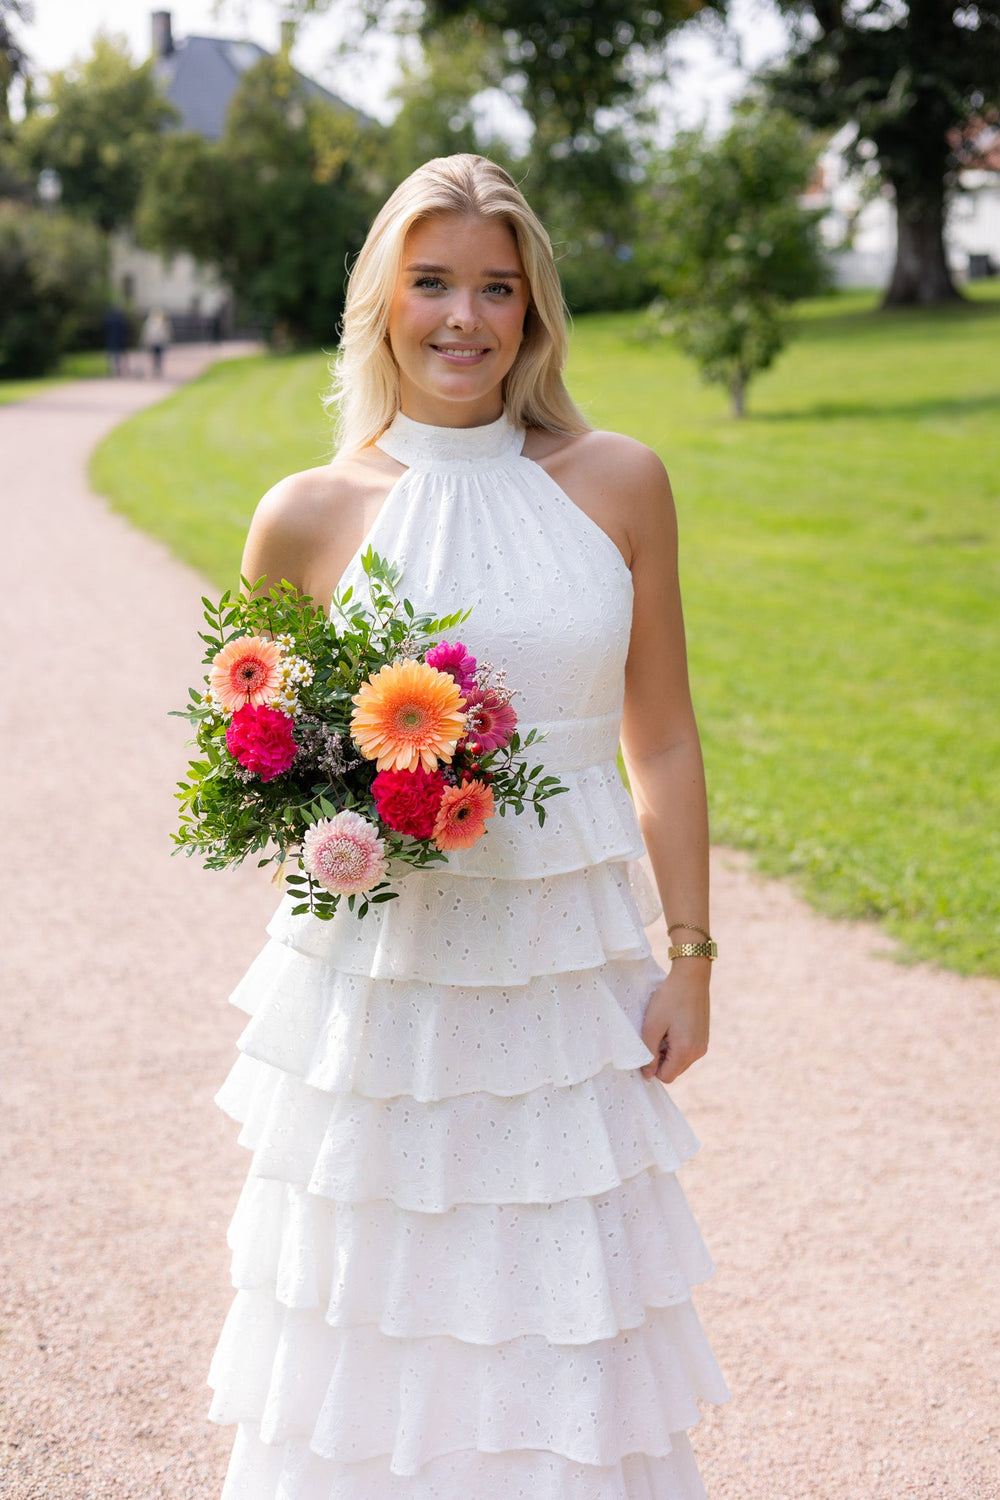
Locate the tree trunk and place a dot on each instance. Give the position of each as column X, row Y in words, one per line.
column 737, row 388
column 920, row 276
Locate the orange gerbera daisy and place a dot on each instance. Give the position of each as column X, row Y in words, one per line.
column 461, row 818
column 407, row 715
column 246, row 671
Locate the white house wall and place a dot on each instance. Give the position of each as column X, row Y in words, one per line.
column 178, row 285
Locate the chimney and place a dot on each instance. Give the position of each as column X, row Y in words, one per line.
column 163, row 41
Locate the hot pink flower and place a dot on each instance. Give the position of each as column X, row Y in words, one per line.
column 344, row 853
column 261, row 740
column 491, row 720
column 408, row 801
column 456, row 661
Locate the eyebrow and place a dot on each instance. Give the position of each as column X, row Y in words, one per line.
column 449, row 270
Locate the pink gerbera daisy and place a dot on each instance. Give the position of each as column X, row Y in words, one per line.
column 344, row 853
column 490, row 719
column 246, row 671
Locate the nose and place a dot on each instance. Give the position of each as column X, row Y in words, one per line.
column 462, row 311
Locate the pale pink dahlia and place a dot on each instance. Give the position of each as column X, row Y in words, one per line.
column 456, row 661
column 490, row 719
column 344, row 853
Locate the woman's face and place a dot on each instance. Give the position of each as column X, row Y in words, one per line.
column 456, row 319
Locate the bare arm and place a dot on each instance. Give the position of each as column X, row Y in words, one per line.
column 663, row 758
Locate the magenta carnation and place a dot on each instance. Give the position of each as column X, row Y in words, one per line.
column 261, row 740
column 344, row 853
column 408, row 801
column 491, row 720
column 456, row 661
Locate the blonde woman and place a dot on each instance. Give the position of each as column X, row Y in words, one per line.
column 462, row 1255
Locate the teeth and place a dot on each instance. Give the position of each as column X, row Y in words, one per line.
column 462, row 353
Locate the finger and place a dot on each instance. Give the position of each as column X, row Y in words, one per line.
column 676, row 1062
column 649, row 1068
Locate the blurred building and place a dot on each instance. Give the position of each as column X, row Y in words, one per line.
column 859, row 223
column 199, row 75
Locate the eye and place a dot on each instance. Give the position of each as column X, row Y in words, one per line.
column 429, row 283
column 500, row 289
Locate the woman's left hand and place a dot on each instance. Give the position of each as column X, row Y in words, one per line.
column 675, row 1026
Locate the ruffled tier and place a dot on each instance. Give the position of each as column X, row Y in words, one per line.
column 574, row 1271
column 352, row 1394
column 590, row 823
column 543, row 1146
column 379, row 1037
column 291, row 1471
column 451, row 930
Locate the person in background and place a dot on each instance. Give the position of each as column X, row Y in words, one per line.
column 115, row 338
column 156, row 337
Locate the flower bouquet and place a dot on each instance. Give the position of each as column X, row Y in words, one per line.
column 356, row 744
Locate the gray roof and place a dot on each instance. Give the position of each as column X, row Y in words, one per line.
column 201, row 73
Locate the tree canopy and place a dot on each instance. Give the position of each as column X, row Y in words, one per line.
column 277, row 205
column 99, row 127
column 910, row 75
column 13, row 58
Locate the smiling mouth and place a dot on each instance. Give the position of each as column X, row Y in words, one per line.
column 464, row 352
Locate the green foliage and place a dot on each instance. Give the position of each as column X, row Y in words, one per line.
column 53, row 276
column 13, row 58
column 579, row 69
column 435, row 94
column 279, row 205
column 910, row 76
column 573, row 58
column 99, row 127
column 727, row 244
column 840, row 563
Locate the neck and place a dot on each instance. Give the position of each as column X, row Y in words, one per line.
column 436, row 413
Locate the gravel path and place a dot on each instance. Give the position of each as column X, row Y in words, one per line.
column 848, row 1108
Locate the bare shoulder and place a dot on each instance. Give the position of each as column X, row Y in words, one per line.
column 312, row 498
column 307, row 527
column 601, row 456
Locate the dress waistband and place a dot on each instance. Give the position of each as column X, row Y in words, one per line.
column 573, row 744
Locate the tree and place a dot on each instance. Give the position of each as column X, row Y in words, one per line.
column 436, row 115
column 13, row 58
column 278, row 205
column 729, row 246
column 909, row 75
column 53, row 281
column 99, row 127
column 579, row 69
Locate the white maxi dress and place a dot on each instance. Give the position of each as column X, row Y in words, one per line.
column 463, row 1261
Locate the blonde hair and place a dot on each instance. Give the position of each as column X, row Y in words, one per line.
column 365, row 388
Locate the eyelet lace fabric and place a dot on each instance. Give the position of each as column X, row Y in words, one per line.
column 462, row 1260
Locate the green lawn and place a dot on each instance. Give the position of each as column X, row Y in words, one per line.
column 841, row 571
column 83, row 365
